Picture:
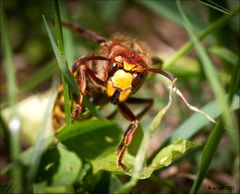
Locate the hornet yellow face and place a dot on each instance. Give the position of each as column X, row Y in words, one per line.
column 123, row 79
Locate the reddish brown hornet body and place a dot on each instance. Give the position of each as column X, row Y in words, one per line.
column 115, row 73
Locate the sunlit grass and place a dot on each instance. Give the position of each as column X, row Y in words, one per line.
column 227, row 122
column 14, row 124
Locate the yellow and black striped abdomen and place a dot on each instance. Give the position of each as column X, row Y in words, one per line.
column 58, row 114
column 94, row 93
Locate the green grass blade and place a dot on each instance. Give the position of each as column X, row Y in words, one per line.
column 14, row 123
column 234, row 87
column 4, row 133
column 67, row 103
column 217, row 133
column 214, row 81
column 8, row 62
column 33, row 81
column 225, row 54
column 68, row 40
column 197, row 121
column 213, row 27
column 215, row 6
column 58, row 28
column 207, row 155
column 140, row 157
column 61, row 61
column 214, row 139
column 39, row 144
column 67, row 74
column 168, row 9
column 59, row 37
column 38, row 77
column 141, row 154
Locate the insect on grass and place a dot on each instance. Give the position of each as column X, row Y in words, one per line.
column 113, row 74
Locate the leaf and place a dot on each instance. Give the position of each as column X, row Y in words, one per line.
column 166, row 155
column 60, row 189
column 59, row 166
column 39, row 187
column 103, row 182
column 109, row 163
column 69, row 168
column 26, row 156
column 115, row 184
column 164, row 158
column 92, row 138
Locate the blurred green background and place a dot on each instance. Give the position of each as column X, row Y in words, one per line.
column 160, row 25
